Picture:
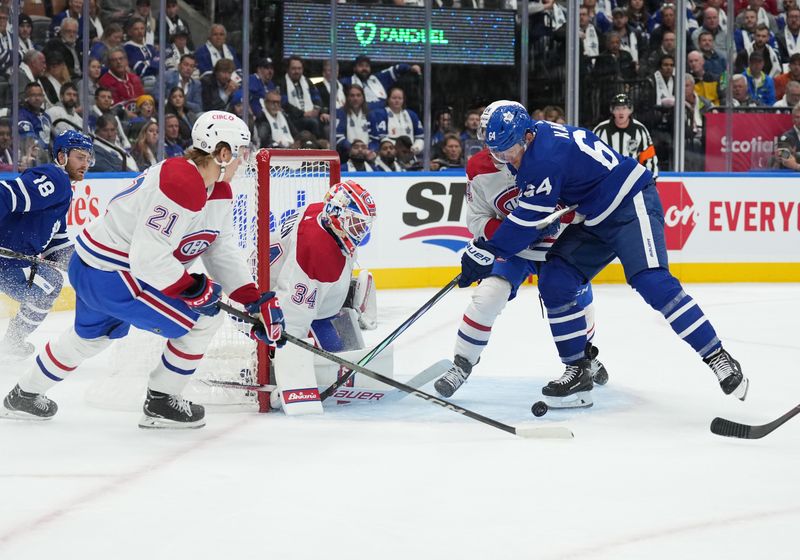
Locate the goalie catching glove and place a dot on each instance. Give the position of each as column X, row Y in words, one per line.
column 268, row 310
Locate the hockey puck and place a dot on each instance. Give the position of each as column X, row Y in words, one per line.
column 601, row 377
column 539, row 408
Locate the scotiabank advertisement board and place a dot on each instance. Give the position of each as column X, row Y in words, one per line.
column 421, row 221
column 752, row 141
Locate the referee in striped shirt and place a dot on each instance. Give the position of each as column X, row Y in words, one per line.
column 626, row 135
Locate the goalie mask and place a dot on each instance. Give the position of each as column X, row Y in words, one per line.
column 348, row 212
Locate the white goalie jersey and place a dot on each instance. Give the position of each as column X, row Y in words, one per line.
column 491, row 195
column 308, row 271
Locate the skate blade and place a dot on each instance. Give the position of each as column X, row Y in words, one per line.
column 153, row 423
column 9, row 414
column 581, row 399
column 741, row 391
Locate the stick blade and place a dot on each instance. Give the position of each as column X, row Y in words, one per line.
column 728, row 428
column 543, row 432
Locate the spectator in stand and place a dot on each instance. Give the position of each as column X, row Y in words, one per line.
column 6, row 46
column 741, row 92
column 54, row 77
column 695, row 106
column 667, row 47
column 68, row 109
column 628, row 40
column 772, row 63
column 792, row 75
column 704, row 83
column 663, row 20
column 442, row 125
column 183, row 78
column 93, row 75
column 358, row 157
column 762, row 15
column 714, row 63
column 173, row 144
column 113, row 36
column 599, row 17
column 125, row 86
column 143, row 11
column 452, row 154
column 789, row 38
column 784, row 157
column 32, row 118
column 273, row 127
column 324, row 90
column 759, row 84
column 791, row 97
column 105, row 157
column 471, row 123
column 95, row 24
column 386, row 158
column 711, row 25
column 6, row 160
column 116, row 11
column 67, row 46
column 146, row 146
column 104, row 106
column 214, row 50
column 176, row 105
column 743, row 37
column 720, row 6
column 395, row 120
column 792, row 136
column 218, row 86
column 30, row 151
column 638, row 19
column 664, row 82
column 352, row 121
column 407, row 159
column 175, row 22
column 145, row 112
column 375, row 86
column 178, row 47
column 142, row 57
column 25, row 28
column 590, row 37
column 31, row 69
column 301, row 101
column 260, row 83
column 614, row 62
column 554, row 113
column 74, row 11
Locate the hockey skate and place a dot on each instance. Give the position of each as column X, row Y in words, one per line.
column 573, row 389
column 454, row 378
column 171, row 411
column 729, row 372
column 22, row 405
column 11, row 349
column 597, row 369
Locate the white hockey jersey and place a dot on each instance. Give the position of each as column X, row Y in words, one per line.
column 158, row 226
column 308, row 271
column 492, row 194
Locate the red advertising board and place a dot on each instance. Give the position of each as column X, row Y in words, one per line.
column 754, row 136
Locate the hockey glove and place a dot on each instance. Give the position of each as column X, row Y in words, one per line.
column 272, row 324
column 476, row 262
column 203, row 296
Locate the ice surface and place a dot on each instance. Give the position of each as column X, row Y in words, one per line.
column 643, row 478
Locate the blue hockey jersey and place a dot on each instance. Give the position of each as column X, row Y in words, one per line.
column 33, row 211
column 572, row 165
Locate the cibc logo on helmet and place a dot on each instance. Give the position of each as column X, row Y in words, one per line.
column 223, row 117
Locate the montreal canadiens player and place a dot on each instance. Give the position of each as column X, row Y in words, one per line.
column 33, row 222
column 623, row 218
column 130, row 268
column 491, row 195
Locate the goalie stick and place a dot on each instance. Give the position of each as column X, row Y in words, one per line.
column 729, row 428
column 521, row 431
column 389, row 339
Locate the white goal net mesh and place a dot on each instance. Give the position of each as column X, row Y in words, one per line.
column 274, row 184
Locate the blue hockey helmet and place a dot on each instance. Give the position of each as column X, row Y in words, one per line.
column 72, row 140
column 506, row 128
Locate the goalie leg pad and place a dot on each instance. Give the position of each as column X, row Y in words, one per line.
column 297, row 391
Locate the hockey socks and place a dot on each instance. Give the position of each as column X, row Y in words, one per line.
column 488, row 301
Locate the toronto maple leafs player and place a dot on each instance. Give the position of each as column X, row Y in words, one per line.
column 130, row 268
column 491, row 195
column 33, row 222
column 623, row 218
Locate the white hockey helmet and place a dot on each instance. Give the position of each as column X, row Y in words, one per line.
column 213, row 127
column 487, row 112
column 348, row 212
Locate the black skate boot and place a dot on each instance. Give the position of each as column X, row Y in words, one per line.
column 597, row 369
column 454, row 378
column 22, row 405
column 729, row 372
column 171, row 411
column 573, row 389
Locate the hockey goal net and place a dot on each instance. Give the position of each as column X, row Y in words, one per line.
column 272, row 186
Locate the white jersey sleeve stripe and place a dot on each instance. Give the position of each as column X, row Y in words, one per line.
column 626, row 187
column 25, row 195
column 13, row 196
column 537, row 208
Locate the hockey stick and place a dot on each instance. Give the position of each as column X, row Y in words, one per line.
column 9, row 254
column 555, row 216
column 728, row 428
column 521, row 431
column 391, row 338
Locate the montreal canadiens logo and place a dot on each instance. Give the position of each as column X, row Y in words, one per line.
column 194, row 245
column 506, row 201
